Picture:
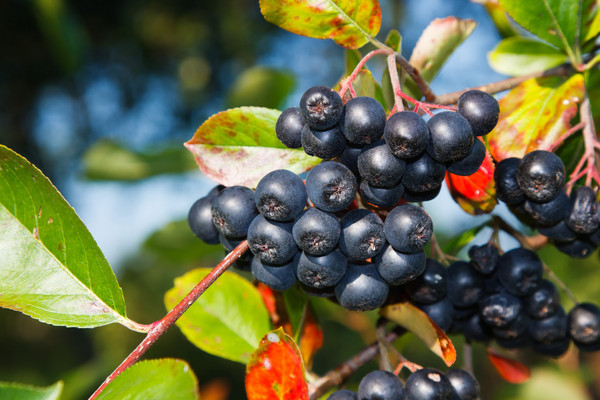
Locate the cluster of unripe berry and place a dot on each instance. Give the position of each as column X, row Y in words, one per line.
column 423, row 384
column 402, row 157
column 504, row 298
column 533, row 188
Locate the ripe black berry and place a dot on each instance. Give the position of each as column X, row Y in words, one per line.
column 331, row 186
column 362, row 234
column 583, row 211
column 548, row 213
column 381, row 197
column 343, row 394
column 423, row 174
column 514, row 329
column 441, row 312
column 316, row 232
column 520, row 271
column 499, row 310
column 584, row 326
column 380, row 385
column 417, row 197
column 378, row 166
column 559, row 232
column 541, row 175
column 200, row 221
column 349, row 157
column 408, row 228
column 233, row 209
column 398, row 268
column 465, row 285
column 323, row 144
column 549, row 329
column 280, row 195
column 280, row 277
column 476, row 329
column 465, row 386
column 289, row 127
column 321, row 107
column 406, row 134
column 484, row 258
column 430, row 286
column 361, row 288
column 270, row 241
column 507, row 187
column 363, row 120
column 321, row 271
column 554, row 349
column 451, row 137
column 578, row 248
column 543, row 302
column 480, row 109
column 428, row 384
column 471, row 163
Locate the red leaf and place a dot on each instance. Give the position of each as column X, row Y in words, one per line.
column 510, row 370
column 476, row 194
column 312, row 337
column 270, row 302
column 275, row 370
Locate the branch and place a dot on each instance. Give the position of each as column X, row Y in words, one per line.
column 160, row 327
column 529, row 242
column 416, row 76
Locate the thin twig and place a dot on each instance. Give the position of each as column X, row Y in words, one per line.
column 416, row 76
column 529, row 242
column 346, row 84
column 393, row 71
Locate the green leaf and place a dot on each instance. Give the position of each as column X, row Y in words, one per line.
column 592, row 80
column 154, row 380
column 591, row 20
column 352, row 58
column 296, row 303
column 460, row 241
column 437, row 42
column 51, row 268
column 394, row 40
column 520, row 56
column 228, row 320
column 499, row 17
column 351, row 24
column 534, row 115
column 14, row 391
column 108, row 160
column 366, row 85
column 260, row 86
column 239, row 147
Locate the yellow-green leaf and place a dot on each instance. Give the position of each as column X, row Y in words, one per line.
column 520, row 56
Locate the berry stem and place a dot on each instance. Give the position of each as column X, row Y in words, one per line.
column 588, row 164
column 158, row 328
column 528, row 242
column 347, row 82
column 393, row 71
column 565, row 136
column 417, row 77
column 563, row 286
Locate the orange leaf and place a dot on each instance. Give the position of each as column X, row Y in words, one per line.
column 275, row 370
column 312, row 337
column 270, row 302
column 416, row 321
column 510, row 370
column 476, row 194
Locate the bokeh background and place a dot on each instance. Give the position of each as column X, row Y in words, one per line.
column 102, row 95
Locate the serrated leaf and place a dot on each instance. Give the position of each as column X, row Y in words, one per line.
column 154, row 380
column 416, row 321
column 260, row 86
column 437, row 42
column 14, row 391
column 534, row 115
column 51, row 268
column 239, row 147
column 520, row 56
column 476, row 194
column 275, row 370
column 351, row 24
column 228, row 320
column 510, row 370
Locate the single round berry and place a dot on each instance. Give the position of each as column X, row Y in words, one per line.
column 272, row 242
column 200, row 221
column 381, row 197
column 507, row 187
column 280, row 195
column 423, row 174
column 559, row 232
column 321, row 107
column 480, row 109
column 465, row 285
column 363, row 120
column 361, row 288
column 321, row 271
column 331, row 186
column 541, row 175
column 323, row 144
column 549, row 329
column 440, row 312
column 406, row 134
column 417, row 197
column 378, row 166
column 514, row 329
column 553, row 349
column 289, row 127
column 233, row 209
column 451, row 137
column 428, row 384
column 519, row 342
column 499, row 310
column 343, row 394
column 349, row 157
column 584, row 326
column 398, row 268
column 380, row 385
column 471, row 163
column 484, row 258
column 548, row 213
column 520, row 271
column 362, row 234
column 430, row 286
column 476, row 329
column 543, row 302
column 578, row 248
column 408, row 228
column 465, row 386
column 316, row 232
column 280, row 278
column 583, row 215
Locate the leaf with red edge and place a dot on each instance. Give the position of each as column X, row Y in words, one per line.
column 350, row 23
column 534, row 115
column 476, row 194
column 510, row 370
column 275, row 370
column 311, row 339
column 239, row 146
column 416, row 321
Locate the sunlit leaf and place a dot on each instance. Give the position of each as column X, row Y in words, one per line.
column 394, row 40
column 260, row 86
column 519, row 56
column 366, row 85
column 534, row 115
column 275, row 370
column 239, row 147
column 591, row 20
column 154, row 380
column 228, row 320
column 499, row 17
column 51, row 268
column 14, row 391
column 510, row 370
column 349, row 23
column 416, row 321
column 476, row 194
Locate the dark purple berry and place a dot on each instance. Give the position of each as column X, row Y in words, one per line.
column 349, row 157
column 423, row 174
column 583, row 211
column 465, row 386
column 507, row 187
column 578, row 248
column 520, row 271
column 361, row 288
column 321, row 107
column 331, row 186
column 465, row 284
column 499, row 310
column 316, row 232
column 584, row 326
column 280, row 277
column 484, row 258
column 451, row 137
column 408, row 228
column 549, row 329
column 480, row 109
column 343, row 394
column 272, row 242
column 280, row 195
column 362, row 234
column 378, row 166
column 430, row 286
column 233, row 209
column 380, row 385
column 428, row 384
column 417, row 197
column 200, row 221
column 549, row 213
column 381, row 197
column 323, row 144
column 398, row 268
column 289, row 127
column 406, row 134
column 559, row 232
column 321, row 271
column 471, row 163
column 363, row 120
column 440, row 312
column 543, row 302
column 554, row 349
column 541, row 175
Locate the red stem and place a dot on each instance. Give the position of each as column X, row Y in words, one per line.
column 347, row 83
column 160, row 327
